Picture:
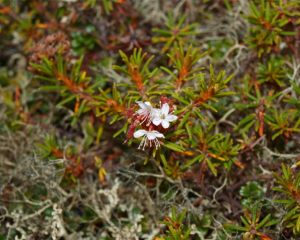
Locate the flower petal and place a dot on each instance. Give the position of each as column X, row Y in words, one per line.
column 148, row 104
column 144, row 105
column 165, row 123
column 171, row 118
column 154, row 134
column 141, row 104
column 159, row 135
column 156, row 121
column 139, row 133
column 165, row 109
column 151, row 135
column 155, row 112
column 141, row 111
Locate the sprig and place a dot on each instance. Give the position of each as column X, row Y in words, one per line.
column 289, row 187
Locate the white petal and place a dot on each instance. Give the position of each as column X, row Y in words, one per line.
column 151, row 135
column 148, row 104
column 144, row 105
column 155, row 112
column 141, row 111
column 159, row 135
column 139, row 133
column 141, row 104
column 171, row 118
column 156, row 121
column 154, row 134
column 165, row 124
column 165, row 109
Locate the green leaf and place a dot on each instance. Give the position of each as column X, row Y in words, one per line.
column 50, row 88
column 263, row 222
column 67, row 100
column 233, row 227
column 173, row 146
column 211, row 167
column 164, row 160
column 122, row 130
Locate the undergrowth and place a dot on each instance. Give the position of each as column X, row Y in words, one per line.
column 127, row 119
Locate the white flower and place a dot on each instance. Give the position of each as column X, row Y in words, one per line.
column 163, row 117
column 148, row 138
column 145, row 108
column 146, row 111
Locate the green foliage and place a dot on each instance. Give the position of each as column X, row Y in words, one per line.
column 253, row 223
column 83, row 42
column 274, row 72
column 262, row 115
column 108, row 5
column 176, row 228
column 251, row 192
column 48, row 146
column 257, row 107
column 87, row 89
column 295, row 99
column 73, row 85
column 214, row 149
column 269, row 26
column 176, row 32
column 218, row 48
column 289, row 187
column 78, row 91
column 284, row 123
column 137, row 68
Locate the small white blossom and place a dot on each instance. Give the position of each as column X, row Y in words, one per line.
column 148, row 138
column 146, row 111
column 163, row 117
column 145, row 108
